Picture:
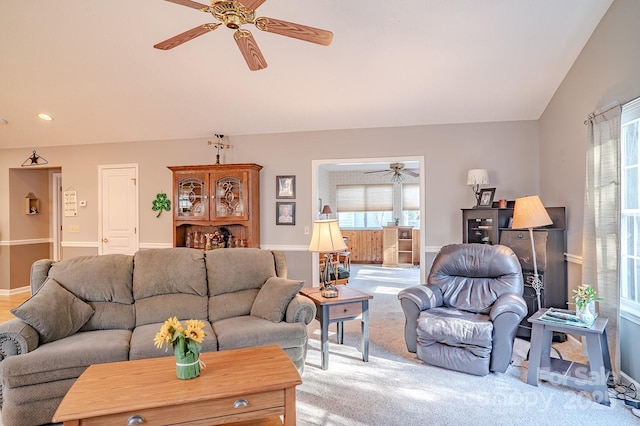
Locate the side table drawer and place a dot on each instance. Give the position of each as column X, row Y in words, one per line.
column 348, row 310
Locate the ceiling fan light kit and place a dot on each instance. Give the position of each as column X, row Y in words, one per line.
column 234, row 14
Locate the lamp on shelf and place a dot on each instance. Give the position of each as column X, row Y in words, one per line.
column 326, row 211
column 529, row 213
column 327, row 239
column 475, row 178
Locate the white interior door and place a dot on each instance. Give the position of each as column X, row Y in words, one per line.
column 118, row 209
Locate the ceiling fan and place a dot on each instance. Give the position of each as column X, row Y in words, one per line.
column 396, row 170
column 234, row 14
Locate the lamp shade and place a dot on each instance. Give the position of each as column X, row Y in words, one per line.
column 326, row 237
column 478, row 177
column 530, row 213
column 326, row 209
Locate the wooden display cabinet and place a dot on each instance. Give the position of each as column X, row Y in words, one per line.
column 208, row 197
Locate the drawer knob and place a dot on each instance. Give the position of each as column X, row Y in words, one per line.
column 136, row 419
column 241, row 403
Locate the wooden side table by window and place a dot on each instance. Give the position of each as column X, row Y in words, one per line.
column 349, row 305
column 591, row 378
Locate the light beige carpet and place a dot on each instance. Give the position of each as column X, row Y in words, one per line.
column 395, row 388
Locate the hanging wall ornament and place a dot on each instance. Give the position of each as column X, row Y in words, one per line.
column 161, row 203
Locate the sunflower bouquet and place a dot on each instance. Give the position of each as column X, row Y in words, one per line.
column 186, row 343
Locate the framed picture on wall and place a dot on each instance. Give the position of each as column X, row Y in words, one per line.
column 285, row 187
column 486, row 197
column 285, row 213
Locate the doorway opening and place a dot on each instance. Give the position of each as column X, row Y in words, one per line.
column 325, row 176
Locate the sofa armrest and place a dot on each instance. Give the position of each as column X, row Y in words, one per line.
column 413, row 301
column 300, row 309
column 17, row 337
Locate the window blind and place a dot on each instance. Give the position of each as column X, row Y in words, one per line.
column 364, row 198
column 410, row 197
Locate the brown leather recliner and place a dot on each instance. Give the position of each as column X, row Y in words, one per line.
column 465, row 318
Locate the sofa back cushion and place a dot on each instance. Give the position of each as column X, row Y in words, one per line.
column 235, row 277
column 169, row 282
column 103, row 282
column 473, row 276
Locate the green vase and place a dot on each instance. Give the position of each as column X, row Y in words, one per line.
column 187, row 361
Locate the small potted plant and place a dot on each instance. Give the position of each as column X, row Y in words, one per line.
column 585, row 298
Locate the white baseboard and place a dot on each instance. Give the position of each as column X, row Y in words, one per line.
column 13, row 291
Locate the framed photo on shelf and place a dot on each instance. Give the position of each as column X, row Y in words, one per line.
column 285, row 213
column 285, row 187
column 486, row 197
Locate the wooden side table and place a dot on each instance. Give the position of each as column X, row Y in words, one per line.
column 349, row 305
column 592, row 377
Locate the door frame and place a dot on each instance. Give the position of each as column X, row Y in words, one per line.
column 56, row 215
column 101, row 168
column 315, row 165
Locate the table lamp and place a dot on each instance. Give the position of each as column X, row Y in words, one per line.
column 327, row 238
column 475, row 178
column 529, row 213
column 326, row 211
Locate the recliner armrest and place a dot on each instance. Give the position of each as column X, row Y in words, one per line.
column 17, row 337
column 413, row 301
column 300, row 309
column 425, row 296
column 506, row 314
column 509, row 302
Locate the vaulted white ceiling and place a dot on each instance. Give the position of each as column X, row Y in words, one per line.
column 91, row 65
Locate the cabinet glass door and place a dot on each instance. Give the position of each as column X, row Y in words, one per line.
column 479, row 230
column 230, row 197
column 192, row 199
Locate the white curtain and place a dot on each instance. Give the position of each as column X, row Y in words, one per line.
column 601, row 237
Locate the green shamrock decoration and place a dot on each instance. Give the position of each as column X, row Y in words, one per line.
column 161, row 203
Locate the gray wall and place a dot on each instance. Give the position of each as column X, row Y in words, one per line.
column 449, row 152
column 608, row 69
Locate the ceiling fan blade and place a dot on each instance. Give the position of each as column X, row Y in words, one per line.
column 376, row 171
column 251, row 4
column 289, row 29
column 191, row 4
column 250, row 50
column 184, row 37
column 411, row 172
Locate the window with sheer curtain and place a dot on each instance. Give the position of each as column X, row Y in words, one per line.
column 364, row 206
column 630, row 210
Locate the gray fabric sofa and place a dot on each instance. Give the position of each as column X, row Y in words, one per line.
column 96, row 309
column 465, row 318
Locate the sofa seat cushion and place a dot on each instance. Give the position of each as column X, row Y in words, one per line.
column 248, row 331
column 54, row 312
column 456, row 340
column 274, row 297
column 142, row 345
column 65, row 358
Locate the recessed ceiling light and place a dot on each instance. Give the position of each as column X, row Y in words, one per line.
column 45, row 117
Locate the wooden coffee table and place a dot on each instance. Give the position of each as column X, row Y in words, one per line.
column 349, row 305
column 241, row 385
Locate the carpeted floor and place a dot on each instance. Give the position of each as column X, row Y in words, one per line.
column 395, row 388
